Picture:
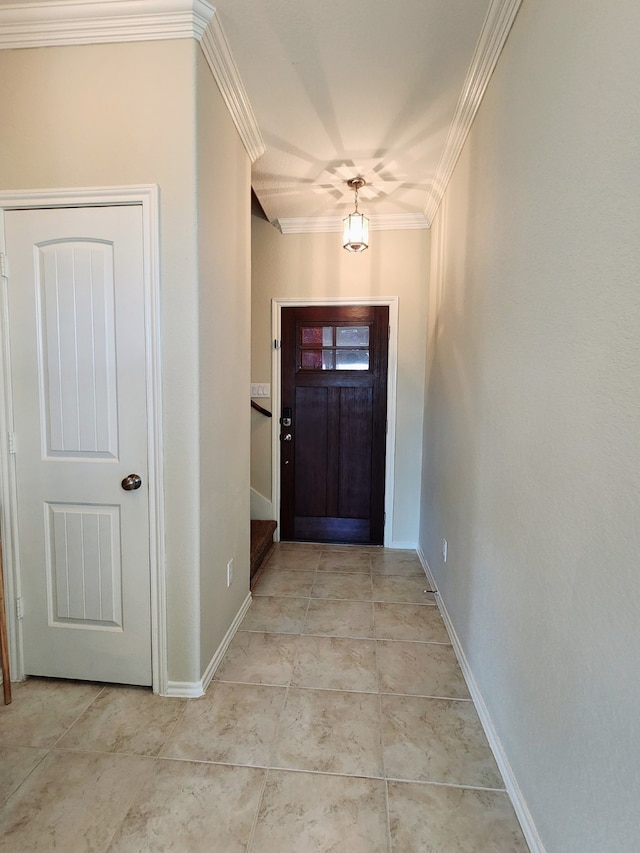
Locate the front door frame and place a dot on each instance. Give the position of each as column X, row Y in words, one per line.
column 146, row 196
column 276, row 395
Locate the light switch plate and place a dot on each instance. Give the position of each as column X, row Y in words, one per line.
column 260, row 389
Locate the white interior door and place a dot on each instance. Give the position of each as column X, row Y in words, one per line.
column 77, row 344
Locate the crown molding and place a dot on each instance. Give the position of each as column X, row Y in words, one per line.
column 333, row 224
column 45, row 23
column 65, row 22
column 217, row 52
column 495, row 31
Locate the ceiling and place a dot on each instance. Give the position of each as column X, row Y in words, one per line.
column 346, row 88
column 321, row 91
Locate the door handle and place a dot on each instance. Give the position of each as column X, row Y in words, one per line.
column 131, row 483
column 287, row 437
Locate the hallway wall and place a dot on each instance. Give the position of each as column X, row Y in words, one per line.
column 305, row 266
column 224, row 311
column 531, row 453
column 98, row 115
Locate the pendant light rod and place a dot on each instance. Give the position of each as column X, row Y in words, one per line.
column 356, row 184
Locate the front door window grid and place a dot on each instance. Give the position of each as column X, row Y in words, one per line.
column 334, row 348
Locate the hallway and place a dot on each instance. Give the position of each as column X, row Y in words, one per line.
column 338, row 720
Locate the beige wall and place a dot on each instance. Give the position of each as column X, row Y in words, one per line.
column 106, row 115
column 316, row 266
column 225, row 346
column 531, row 451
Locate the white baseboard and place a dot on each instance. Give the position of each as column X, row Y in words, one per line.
column 260, row 507
column 404, row 546
column 195, row 689
column 224, row 645
column 427, row 569
column 184, row 689
column 511, row 784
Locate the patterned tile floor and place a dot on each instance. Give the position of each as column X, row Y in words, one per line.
column 338, row 720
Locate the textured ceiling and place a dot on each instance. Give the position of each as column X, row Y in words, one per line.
column 342, row 88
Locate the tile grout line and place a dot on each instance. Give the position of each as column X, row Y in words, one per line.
column 81, row 714
column 334, row 773
column 276, row 736
column 433, row 696
column 6, row 800
column 173, row 727
column 382, row 742
column 344, row 636
column 458, row 786
column 256, row 815
column 372, row 600
column 48, row 750
column 135, row 797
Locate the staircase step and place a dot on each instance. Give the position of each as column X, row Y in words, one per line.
column 261, row 542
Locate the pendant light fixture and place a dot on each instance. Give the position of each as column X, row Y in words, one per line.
column 356, row 226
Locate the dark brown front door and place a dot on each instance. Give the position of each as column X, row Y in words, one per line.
column 333, row 423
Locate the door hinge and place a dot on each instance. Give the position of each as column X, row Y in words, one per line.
column 12, row 442
column 19, row 608
column 4, row 265
column 388, row 333
column 277, row 344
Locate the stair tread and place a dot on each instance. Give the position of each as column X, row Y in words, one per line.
column 261, row 542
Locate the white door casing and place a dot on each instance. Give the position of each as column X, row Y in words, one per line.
column 78, row 322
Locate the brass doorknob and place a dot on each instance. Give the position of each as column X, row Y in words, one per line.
column 132, row 482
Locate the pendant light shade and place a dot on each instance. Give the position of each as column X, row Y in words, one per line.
column 356, row 226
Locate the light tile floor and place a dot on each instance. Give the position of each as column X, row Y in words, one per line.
column 338, row 720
